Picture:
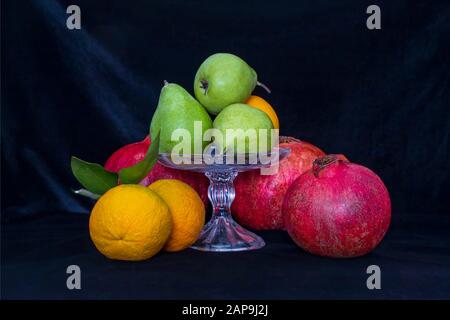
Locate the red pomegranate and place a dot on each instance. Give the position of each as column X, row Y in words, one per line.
column 337, row 209
column 132, row 153
column 259, row 198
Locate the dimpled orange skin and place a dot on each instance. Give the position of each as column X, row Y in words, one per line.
column 130, row 222
column 263, row 105
column 187, row 209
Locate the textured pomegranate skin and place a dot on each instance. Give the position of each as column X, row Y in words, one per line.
column 342, row 210
column 259, row 198
column 130, row 154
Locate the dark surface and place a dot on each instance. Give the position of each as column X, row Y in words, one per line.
column 379, row 97
column 413, row 258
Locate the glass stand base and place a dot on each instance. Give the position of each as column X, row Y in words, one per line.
column 224, row 234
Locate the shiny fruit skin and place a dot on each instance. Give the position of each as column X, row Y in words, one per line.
column 338, row 210
column 263, row 105
column 130, row 222
column 223, row 79
column 132, row 153
column 240, row 118
column 259, row 198
column 127, row 155
column 187, row 210
column 178, row 110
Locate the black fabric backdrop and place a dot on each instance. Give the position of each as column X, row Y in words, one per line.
column 379, row 97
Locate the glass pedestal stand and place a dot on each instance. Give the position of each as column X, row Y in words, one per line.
column 222, row 233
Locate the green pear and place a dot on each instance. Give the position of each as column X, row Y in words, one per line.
column 250, row 121
column 223, row 79
column 177, row 109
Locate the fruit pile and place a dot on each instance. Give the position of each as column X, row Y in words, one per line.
column 222, row 86
column 133, row 222
column 328, row 205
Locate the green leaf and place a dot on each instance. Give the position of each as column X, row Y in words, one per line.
column 93, row 176
column 137, row 172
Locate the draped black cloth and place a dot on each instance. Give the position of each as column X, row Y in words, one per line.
column 381, row 97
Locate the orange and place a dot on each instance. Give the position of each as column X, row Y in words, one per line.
column 263, row 105
column 130, row 222
column 187, row 209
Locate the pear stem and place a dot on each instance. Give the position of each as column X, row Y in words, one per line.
column 263, row 86
column 166, row 83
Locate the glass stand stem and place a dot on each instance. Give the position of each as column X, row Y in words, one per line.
column 221, row 192
column 222, row 233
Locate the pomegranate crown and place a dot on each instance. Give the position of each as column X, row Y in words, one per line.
column 323, row 162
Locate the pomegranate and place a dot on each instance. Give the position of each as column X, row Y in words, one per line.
column 337, row 209
column 132, row 153
column 127, row 155
column 259, row 198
